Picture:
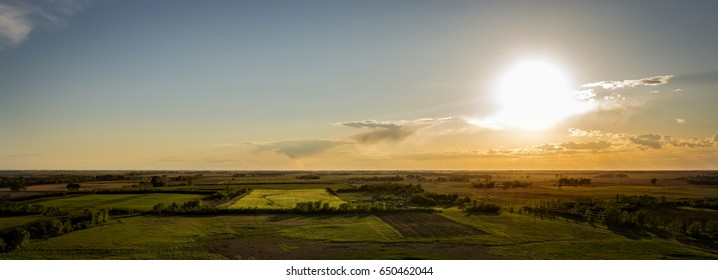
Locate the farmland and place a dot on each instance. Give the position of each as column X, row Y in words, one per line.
column 356, row 215
column 284, row 198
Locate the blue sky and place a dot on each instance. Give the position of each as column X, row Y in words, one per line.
column 238, row 84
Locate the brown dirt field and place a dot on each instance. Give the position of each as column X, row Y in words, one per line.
column 427, row 225
column 292, row 249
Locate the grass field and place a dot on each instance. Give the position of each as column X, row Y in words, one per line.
column 130, row 201
column 449, row 234
column 507, row 236
column 284, row 198
column 8, row 222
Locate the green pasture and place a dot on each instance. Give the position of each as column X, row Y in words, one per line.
column 513, row 236
column 8, row 222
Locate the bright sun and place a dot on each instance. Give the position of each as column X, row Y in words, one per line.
column 535, row 95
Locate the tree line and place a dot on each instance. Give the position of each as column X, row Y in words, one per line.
column 18, row 237
column 575, row 182
column 502, row 185
column 627, row 213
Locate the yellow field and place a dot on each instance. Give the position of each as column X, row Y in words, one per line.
column 284, row 198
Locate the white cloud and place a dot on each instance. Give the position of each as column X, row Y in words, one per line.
column 680, row 120
column 19, row 18
column 648, row 81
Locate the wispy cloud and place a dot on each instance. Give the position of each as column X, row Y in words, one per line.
column 19, row 18
column 299, row 148
column 680, row 120
column 392, row 131
column 648, row 81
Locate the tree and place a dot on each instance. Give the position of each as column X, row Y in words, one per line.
column 612, row 216
column 712, row 229
column 17, row 187
column 675, row 227
column 695, row 229
column 16, row 238
column 158, row 181
column 73, row 187
column 653, row 181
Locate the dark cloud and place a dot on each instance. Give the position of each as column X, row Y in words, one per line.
column 392, row 135
column 299, row 148
column 370, row 124
column 391, row 131
column 647, row 140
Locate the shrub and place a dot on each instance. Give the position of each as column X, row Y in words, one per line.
column 420, row 199
column 482, row 207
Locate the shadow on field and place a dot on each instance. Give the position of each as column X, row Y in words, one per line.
column 630, row 234
column 279, row 248
column 284, row 217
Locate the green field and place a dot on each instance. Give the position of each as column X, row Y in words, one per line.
column 284, row 198
column 343, row 237
column 129, row 201
column 448, row 234
column 8, row 222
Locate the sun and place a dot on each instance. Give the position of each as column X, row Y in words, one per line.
column 534, row 94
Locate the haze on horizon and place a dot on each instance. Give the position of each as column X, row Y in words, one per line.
column 358, row 85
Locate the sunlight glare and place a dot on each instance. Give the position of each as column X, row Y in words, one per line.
column 534, row 95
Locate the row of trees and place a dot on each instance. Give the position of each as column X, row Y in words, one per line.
column 308, row 177
column 11, row 208
column 18, row 237
column 375, row 179
column 386, row 188
column 502, row 185
column 626, row 212
column 481, row 207
column 584, row 182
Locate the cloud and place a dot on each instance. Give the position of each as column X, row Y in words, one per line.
column 575, row 132
column 647, row 140
column 680, row 120
column 649, row 81
column 370, row 124
column 392, row 131
column 598, row 145
column 19, row 18
column 622, row 142
column 393, row 135
column 300, row 148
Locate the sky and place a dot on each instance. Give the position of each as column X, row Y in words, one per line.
column 347, row 85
